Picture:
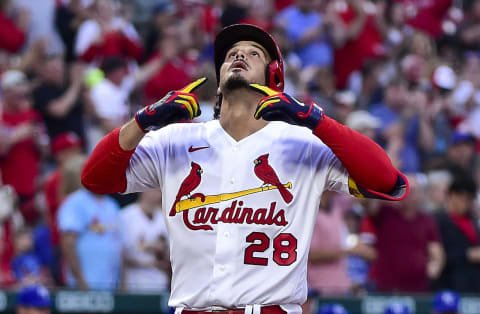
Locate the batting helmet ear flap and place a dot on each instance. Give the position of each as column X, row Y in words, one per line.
column 274, row 75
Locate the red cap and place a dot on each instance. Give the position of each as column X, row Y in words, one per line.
column 65, row 141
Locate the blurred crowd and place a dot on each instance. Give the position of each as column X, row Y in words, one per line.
column 402, row 72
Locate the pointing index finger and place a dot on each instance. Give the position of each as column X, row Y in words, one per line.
column 267, row 91
column 194, row 85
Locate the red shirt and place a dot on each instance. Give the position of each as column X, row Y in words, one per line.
column 263, row 24
column 6, row 253
column 20, row 166
column 351, row 56
column 11, row 37
column 174, row 75
column 282, row 4
column 113, row 44
column 52, row 196
column 426, row 15
column 402, row 245
column 465, row 224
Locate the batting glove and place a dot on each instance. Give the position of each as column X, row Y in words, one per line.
column 175, row 106
column 278, row 106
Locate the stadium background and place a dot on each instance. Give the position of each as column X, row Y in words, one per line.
column 404, row 72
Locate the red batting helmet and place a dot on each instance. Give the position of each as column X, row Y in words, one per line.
column 240, row 32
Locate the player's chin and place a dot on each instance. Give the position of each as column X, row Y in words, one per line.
column 235, row 81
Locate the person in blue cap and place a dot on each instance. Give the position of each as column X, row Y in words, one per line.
column 34, row 299
column 332, row 308
column 446, row 302
column 397, row 308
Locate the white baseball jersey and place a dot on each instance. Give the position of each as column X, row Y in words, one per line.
column 242, row 211
column 138, row 231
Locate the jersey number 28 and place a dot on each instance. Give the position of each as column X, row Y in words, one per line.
column 284, row 249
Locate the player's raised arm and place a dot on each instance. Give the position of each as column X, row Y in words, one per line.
column 104, row 172
column 371, row 171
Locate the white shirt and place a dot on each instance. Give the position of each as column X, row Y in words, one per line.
column 261, row 258
column 137, row 231
column 111, row 101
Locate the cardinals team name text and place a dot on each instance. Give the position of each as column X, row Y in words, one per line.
column 203, row 217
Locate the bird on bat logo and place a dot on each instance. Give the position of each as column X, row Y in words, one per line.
column 266, row 173
column 189, row 184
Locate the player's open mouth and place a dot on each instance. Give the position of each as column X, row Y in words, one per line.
column 239, row 64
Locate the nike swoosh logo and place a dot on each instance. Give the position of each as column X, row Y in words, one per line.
column 192, row 149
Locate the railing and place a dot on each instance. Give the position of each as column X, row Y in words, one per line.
column 70, row 301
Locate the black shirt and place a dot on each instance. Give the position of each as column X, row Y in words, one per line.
column 72, row 121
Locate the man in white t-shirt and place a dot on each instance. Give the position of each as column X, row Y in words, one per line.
column 110, row 96
column 145, row 248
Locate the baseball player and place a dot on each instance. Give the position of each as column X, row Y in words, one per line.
column 34, row 299
column 241, row 192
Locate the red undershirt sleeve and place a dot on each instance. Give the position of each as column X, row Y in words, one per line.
column 366, row 162
column 105, row 169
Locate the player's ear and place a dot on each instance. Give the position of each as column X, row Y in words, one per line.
column 219, row 90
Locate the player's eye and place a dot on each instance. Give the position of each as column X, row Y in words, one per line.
column 232, row 54
column 254, row 53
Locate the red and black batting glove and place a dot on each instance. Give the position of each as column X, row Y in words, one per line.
column 278, row 106
column 175, row 106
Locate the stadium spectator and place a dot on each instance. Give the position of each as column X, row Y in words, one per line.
column 24, row 140
column 344, row 102
column 42, row 24
column 26, row 265
column 469, row 31
column 233, row 12
column 110, row 96
column 426, row 16
column 306, row 30
column 363, row 122
column 107, row 34
column 90, row 238
column 460, row 155
column 322, row 90
column 356, row 37
column 357, row 265
column 12, row 31
column 63, row 147
column 175, row 70
column 33, row 299
column 367, row 83
column 405, row 128
column 161, row 23
column 145, row 247
column 69, row 15
column 409, row 251
column 460, row 237
column 438, row 182
column 330, row 247
column 58, row 99
column 260, row 13
column 10, row 221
